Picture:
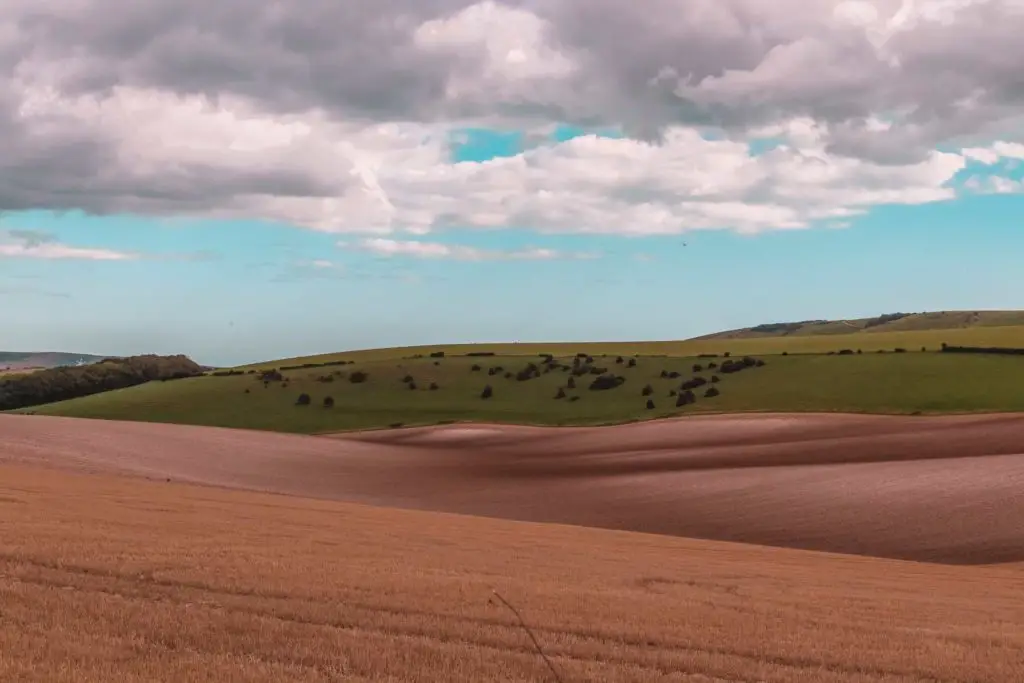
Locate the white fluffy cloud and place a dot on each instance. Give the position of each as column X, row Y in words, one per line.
column 339, row 117
column 30, row 244
column 435, row 250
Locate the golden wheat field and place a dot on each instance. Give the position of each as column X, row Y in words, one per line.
column 105, row 578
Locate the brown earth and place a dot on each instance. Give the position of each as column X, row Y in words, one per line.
column 108, row 578
column 938, row 489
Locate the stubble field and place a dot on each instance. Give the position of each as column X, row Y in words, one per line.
column 105, row 578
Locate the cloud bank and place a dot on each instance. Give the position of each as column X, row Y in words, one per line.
column 339, row 117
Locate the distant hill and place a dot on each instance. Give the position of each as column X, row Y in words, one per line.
column 890, row 322
column 30, row 360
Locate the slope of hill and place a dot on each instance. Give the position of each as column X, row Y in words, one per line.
column 891, row 322
column 527, row 390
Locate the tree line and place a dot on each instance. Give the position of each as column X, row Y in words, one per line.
column 60, row 384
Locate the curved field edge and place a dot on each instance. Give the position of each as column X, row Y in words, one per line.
column 872, row 383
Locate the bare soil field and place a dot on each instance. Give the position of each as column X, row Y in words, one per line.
column 947, row 490
column 107, row 578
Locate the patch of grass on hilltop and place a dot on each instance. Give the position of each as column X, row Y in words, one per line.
column 869, row 382
column 1003, row 336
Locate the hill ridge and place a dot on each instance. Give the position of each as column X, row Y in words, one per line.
column 888, row 322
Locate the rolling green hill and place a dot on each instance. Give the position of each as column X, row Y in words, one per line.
column 908, row 382
column 937, row 321
column 890, row 364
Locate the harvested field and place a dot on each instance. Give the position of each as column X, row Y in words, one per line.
column 936, row 489
column 105, row 578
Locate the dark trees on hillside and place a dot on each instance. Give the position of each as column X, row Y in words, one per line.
column 59, row 384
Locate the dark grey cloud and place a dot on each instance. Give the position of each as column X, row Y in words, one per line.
column 732, row 64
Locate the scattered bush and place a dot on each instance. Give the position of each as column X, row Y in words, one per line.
column 650, row 404
column 437, row 362
column 899, row 350
column 271, row 376
column 664, row 374
column 487, row 392
column 647, row 390
column 480, row 353
column 433, row 386
column 673, row 392
column 619, row 360
column 560, row 393
column 673, row 375
column 529, row 372
column 631, row 363
column 711, row 392
column 328, row 402
column 302, row 400
column 407, row 379
column 437, row 354
column 859, row 352
column 714, row 379
column 475, row 368
column 697, row 367
column 358, row 377
column 396, row 425
column 573, row 399
column 247, row 391
column 726, row 354
column 845, row 352
column 492, row 371
column 924, row 348
column 693, row 383
column 605, row 382
column 412, row 386
column 685, row 398
column 571, row 384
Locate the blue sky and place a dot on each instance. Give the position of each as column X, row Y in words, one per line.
column 483, row 170
column 230, row 292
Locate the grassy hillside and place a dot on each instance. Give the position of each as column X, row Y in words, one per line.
column 938, row 321
column 1012, row 336
column 929, row 382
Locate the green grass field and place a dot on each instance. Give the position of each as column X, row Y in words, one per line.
column 913, row 340
column 929, row 382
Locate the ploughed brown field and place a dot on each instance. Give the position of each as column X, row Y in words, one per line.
column 947, row 489
column 106, row 577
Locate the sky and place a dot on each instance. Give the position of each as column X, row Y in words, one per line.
column 242, row 183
